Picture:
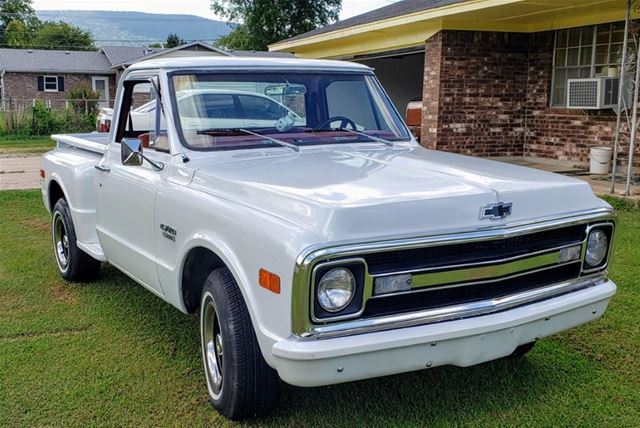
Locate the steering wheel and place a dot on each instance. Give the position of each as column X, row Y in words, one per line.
column 344, row 122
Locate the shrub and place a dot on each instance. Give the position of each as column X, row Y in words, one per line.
column 44, row 120
column 15, row 122
column 83, row 99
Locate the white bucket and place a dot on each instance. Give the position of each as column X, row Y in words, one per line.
column 600, row 160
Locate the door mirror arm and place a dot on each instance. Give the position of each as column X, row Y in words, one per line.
column 131, row 154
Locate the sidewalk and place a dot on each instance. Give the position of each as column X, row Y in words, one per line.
column 20, row 172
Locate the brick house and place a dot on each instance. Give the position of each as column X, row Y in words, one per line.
column 492, row 75
column 29, row 74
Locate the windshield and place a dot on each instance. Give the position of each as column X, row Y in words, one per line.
column 223, row 111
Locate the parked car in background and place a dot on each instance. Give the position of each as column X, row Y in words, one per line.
column 326, row 246
column 231, row 109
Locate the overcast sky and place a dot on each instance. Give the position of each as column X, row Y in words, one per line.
column 190, row 7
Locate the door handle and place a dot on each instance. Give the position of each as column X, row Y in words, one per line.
column 102, row 168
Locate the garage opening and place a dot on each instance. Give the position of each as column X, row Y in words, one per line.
column 402, row 75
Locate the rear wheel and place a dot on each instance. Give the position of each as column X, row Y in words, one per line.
column 73, row 263
column 239, row 381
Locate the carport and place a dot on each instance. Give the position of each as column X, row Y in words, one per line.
column 400, row 72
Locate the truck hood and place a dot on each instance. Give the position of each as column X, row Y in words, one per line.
column 371, row 192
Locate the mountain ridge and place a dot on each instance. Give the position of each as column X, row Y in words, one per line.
column 138, row 28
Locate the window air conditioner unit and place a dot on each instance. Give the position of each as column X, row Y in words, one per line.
column 595, row 93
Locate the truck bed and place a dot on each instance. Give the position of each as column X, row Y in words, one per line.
column 94, row 141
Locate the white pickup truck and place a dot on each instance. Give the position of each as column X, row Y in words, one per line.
column 318, row 241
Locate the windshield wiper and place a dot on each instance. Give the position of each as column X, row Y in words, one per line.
column 246, row 131
column 371, row 137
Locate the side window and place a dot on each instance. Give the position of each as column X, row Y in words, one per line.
column 260, row 108
column 138, row 116
column 344, row 98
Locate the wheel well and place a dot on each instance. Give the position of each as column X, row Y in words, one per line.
column 197, row 266
column 55, row 193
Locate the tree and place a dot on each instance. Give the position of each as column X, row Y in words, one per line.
column 173, row 40
column 15, row 35
column 18, row 11
column 60, row 35
column 262, row 22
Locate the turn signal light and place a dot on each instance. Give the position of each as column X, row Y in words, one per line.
column 269, row 280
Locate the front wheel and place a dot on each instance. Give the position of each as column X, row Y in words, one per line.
column 73, row 263
column 240, row 383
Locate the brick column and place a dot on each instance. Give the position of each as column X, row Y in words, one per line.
column 431, row 92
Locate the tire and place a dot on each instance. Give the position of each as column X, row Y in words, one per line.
column 522, row 350
column 73, row 263
column 240, row 383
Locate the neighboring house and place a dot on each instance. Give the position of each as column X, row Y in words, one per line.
column 31, row 74
column 493, row 75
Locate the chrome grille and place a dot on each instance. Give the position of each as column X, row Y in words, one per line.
column 451, row 276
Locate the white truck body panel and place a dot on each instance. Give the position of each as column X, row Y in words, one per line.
column 267, row 208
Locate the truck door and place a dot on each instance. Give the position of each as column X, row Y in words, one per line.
column 126, row 193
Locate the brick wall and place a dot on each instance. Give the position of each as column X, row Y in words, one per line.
column 487, row 94
column 21, row 88
column 475, row 93
column 558, row 133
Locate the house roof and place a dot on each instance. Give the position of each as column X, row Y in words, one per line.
column 159, row 52
column 259, row 54
column 400, row 8
column 121, row 54
column 408, row 23
column 49, row 61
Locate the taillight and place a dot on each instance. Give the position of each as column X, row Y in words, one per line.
column 42, row 173
column 104, row 125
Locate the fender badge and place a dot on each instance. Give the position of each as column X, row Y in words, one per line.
column 496, row 211
column 168, row 232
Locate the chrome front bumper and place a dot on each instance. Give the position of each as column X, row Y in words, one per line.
column 461, row 342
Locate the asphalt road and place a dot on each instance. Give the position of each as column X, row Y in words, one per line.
column 20, row 172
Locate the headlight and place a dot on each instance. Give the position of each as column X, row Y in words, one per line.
column 597, row 247
column 336, row 289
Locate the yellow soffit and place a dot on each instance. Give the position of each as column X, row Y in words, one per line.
column 413, row 18
column 480, row 15
column 376, row 41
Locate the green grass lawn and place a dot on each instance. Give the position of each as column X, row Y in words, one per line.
column 110, row 353
column 25, row 146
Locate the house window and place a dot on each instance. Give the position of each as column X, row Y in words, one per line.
column 51, row 83
column 591, row 51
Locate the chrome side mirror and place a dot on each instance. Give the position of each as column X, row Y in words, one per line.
column 131, row 152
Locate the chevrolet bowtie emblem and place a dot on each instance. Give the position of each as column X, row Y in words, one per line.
column 496, row 211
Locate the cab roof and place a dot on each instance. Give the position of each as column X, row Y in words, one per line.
column 242, row 64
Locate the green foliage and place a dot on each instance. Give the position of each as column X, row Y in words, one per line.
column 60, row 35
column 15, row 35
column 42, row 120
column 262, row 22
column 622, row 204
column 45, row 120
column 21, row 28
column 15, row 122
column 173, row 40
column 83, row 99
column 17, row 10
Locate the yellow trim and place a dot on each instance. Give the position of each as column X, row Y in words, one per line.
column 477, row 15
column 469, row 6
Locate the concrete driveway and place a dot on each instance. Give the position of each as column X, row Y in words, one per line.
column 20, row 172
